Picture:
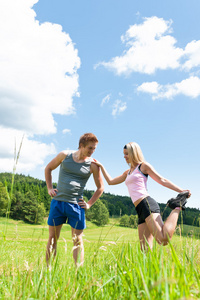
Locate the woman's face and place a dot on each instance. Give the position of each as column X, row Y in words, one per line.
column 126, row 156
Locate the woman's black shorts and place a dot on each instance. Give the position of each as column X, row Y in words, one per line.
column 147, row 206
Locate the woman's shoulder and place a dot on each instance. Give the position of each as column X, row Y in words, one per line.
column 126, row 172
column 145, row 167
column 145, row 164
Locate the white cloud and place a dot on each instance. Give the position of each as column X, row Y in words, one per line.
column 32, row 152
column 118, row 107
column 38, row 78
column 106, row 99
column 192, row 52
column 150, row 47
column 149, row 87
column 66, row 131
column 188, row 87
column 38, row 68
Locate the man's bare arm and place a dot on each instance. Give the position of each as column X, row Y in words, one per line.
column 52, row 165
column 99, row 184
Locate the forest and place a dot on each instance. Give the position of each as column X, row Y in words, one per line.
column 31, row 203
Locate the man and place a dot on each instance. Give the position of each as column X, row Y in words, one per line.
column 67, row 204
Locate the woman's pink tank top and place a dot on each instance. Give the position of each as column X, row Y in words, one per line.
column 136, row 183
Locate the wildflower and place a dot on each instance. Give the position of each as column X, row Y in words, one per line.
column 111, row 242
column 75, row 247
column 78, row 265
column 26, row 265
column 65, row 246
column 74, row 238
column 103, row 248
column 51, row 246
column 86, row 241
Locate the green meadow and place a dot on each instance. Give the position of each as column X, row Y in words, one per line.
column 114, row 266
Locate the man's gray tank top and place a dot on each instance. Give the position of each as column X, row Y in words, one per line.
column 72, row 179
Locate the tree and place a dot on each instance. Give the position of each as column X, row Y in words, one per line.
column 16, row 211
column 46, row 199
column 98, row 214
column 124, row 221
column 115, row 204
column 133, row 221
column 129, row 221
column 3, row 200
column 26, row 208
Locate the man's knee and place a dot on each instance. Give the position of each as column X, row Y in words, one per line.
column 53, row 238
column 77, row 240
column 54, row 235
column 77, row 236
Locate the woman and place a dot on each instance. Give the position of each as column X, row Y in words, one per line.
column 150, row 223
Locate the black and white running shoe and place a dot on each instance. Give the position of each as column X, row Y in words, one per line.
column 179, row 201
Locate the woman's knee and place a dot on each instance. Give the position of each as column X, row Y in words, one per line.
column 165, row 243
column 162, row 240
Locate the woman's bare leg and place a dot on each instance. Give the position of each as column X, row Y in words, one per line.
column 162, row 231
column 145, row 237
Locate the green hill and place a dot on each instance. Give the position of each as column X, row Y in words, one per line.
column 117, row 205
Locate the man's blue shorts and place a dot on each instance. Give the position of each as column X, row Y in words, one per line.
column 65, row 212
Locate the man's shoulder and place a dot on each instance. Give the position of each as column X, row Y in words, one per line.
column 67, row 152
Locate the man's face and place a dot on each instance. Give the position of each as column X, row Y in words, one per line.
column 89, row 149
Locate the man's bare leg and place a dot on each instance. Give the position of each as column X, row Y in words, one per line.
column 54, row 233
column 77, row 237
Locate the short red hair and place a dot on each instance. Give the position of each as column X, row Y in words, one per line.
column 87, row 138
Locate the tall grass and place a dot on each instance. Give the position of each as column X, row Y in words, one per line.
column 114, row 268
column 10, row 193
column 16, row 159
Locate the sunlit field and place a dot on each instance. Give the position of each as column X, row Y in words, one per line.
column 114, row 266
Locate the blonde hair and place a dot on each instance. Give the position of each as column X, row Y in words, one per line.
column 135, row 153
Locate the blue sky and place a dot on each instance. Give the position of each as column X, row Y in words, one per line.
column 124, row 70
